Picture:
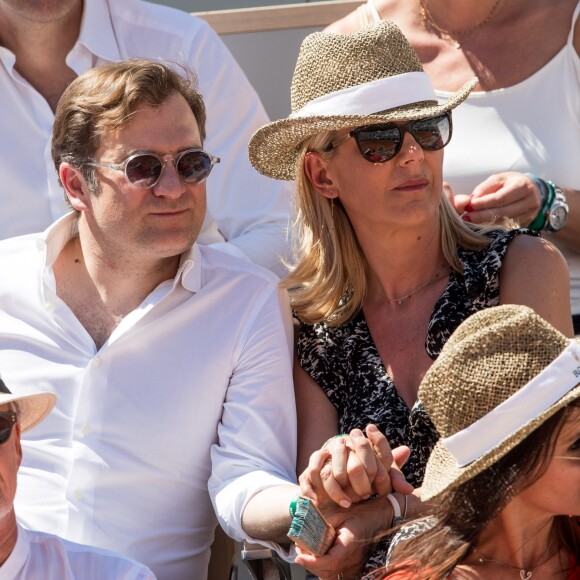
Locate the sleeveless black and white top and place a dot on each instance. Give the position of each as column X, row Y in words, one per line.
column 345, row 363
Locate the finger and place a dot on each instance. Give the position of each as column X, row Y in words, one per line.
column 339, row 453
column 385, row 454
column 401, row 454
column 310, row 480
column 460, row 202
column 362, row 464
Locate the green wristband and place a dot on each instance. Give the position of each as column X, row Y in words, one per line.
column 540, row 220
column 292, row 507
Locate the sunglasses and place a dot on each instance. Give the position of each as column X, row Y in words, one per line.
column 380, row 143
column 144, row 170
column 7, row 421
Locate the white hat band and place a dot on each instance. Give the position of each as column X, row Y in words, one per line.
column 557, row 379
column 372, row 97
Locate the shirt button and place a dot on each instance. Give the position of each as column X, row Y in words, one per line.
column 97, row 361
column 79, row 494
column 86, row 430
column 49, row 307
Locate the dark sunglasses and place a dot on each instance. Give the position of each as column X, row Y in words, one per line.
column 144, row 169
column 379, row 143
column 7, row 421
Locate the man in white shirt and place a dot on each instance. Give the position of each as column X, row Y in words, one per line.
column 25, row 554
column 171, row 360
column 44, row 45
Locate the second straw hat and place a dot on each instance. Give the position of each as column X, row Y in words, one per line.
column 502, row 373
column 348, row 80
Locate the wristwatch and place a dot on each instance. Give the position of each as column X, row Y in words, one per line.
column 558, row 212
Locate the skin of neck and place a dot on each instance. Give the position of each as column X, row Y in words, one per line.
column 8, row 535
column 401, row 260
column 519, row 536
column 41, row 43
column 459, row 14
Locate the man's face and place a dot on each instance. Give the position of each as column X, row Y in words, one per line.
column 156, row 223
column 10, row 456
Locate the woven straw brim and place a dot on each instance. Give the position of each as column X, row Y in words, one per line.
column 442, row 472
column 273, row 149
column 31, row 408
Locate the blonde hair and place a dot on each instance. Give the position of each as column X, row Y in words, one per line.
column 329, row 282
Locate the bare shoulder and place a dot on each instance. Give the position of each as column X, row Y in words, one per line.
column 527, row 250
column 577, row 36
column 534, row 273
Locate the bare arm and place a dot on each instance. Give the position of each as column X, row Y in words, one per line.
column 317, row 416
column 535, row 274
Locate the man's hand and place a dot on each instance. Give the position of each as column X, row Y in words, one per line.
column 357, row 529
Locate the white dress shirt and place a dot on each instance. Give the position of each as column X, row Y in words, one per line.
column 43, row 556
column 195, row 382
column 250, row 210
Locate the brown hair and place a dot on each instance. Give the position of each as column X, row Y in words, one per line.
column 104, row 98
column 461, row 513
column 329, row 283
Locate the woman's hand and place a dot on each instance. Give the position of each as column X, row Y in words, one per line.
column 503, row 195
column 352, row 468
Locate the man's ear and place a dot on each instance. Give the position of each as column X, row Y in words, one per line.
column 315, row 166
column 75, row 186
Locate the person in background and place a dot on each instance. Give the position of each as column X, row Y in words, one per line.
column 26, row 554
column 505, row 396
column 45, row 45
column 171, row 360
column 516, row 140
column 387, row 269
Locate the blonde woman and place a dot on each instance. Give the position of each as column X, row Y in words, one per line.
column 386, row 269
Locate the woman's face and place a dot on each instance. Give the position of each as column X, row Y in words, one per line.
column 557, row 491
column 402, row 192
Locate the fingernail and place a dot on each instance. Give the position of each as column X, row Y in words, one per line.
column 469, row 207
column 356, row 433
column 344, row 503
column 466, row 218
column 372, row 428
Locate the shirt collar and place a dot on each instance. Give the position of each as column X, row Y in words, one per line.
column 189, row 272
column 97, row 36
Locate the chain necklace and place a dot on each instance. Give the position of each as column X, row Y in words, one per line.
column 452, row 36
column 524, row 574
column 407, row 296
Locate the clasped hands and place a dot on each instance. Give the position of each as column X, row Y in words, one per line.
column 348, row 470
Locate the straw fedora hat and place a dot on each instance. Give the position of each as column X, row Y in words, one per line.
column 348, row 80
column 32, row 407
column 501, row 374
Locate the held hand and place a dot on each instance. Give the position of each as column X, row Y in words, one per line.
column 503, row 195
column 352, row 468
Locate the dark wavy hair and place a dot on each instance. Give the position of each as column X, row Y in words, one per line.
column 462, row 513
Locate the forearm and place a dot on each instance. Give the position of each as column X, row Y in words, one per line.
column 267, row 516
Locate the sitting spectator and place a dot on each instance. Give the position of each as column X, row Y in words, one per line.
column 520, row 128
column 171, row 361
column 25, row 554
column 387, row 268
column 45, row 45
column 505, row 476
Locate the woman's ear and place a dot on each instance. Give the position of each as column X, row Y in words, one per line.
column 315, row 166
column 75, row 186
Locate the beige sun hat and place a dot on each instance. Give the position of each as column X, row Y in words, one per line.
column 501, row 374
column 32, row 407
column 348, row 80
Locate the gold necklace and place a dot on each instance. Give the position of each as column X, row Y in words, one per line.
column 406, row 296
column 453, row 36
